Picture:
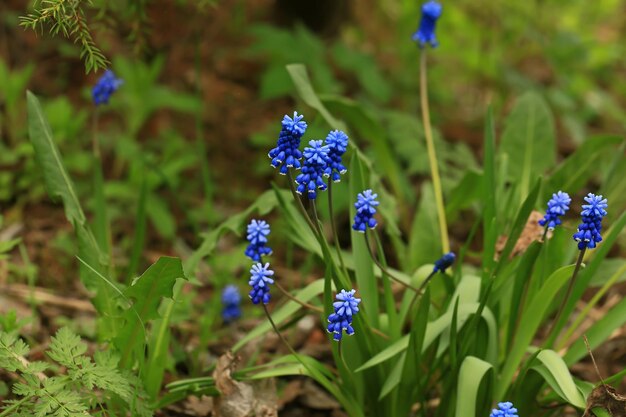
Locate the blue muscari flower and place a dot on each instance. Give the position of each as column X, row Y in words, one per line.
column 260, row 281
column 316, row 161
column 444, row 262
column 588, row 233
column 345, row 307
column 557, row 206
column 425, row 34
column 106, row 85
column 230, row 301
column 337, row 142
column 504, row 410
column 287, row 154
column 257, row 236
column 365, row 209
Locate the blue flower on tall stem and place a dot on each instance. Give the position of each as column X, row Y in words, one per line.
column 105, row 87
column 337, row 142
column 346, row 306
column 444, row 262
column 257, row 233
column 316, row 161
column 287, row 154
column 260, row 281
column 588, row 234
column 558, row 205
column 425, row 34
column 505, row 409
column 365, row 209
column 230, row 301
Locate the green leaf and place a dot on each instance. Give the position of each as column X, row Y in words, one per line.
column 489, row 194
column 471, row 374
column 555, row 372
column 146, row 292
column 529, row 323
column 283, row 313
column 363, row 264
column 528, row 140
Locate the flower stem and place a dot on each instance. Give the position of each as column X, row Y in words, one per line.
column 334, row 227
column 382, row 267
column 95, row 143
column 294, row 298
column 419, row 292
column 572, row 280
column 316, row 219
column 299, row 202
column 434, row 169
column 280, row 335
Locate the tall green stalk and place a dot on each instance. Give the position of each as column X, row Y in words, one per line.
column 432, row 158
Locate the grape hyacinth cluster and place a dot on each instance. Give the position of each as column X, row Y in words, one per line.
column 105, row 87
column 444, row 262
column 231, row 299
column 260, row 281
column 345, row 306
column 558, row 205
column 504, row 409
column 287, row 154
column 365, row 209
column 257, row 233
column 588, row 234
column 316, row 162
column 425, row 34
column 337, row 142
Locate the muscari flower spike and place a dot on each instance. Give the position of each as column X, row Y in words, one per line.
column 260, row 281
column 346, row 306
column 287, row 154
column 231, row 299
column 557, row 207
column 505, row 409
column 257, row 236
column 365, row 209
column 316, row 160
column 588, row 234
column 425, row 34
column 444, row 262
column 105, row 87
column 337, row 142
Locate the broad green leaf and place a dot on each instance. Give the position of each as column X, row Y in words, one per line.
column 555, row 372
column 146, row 293
column 236, row 223
column 283, row 313
column 598, row 333
column 363, row 264
column 529, row 323
column 434, row 330
column 529, row 141
column 424, row 243
column 471, row 374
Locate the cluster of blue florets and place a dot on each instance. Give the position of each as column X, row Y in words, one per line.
column 346, row 306
column 504, row 409
column 588, row 234
column 365, row 209
column 257, row 233
column 444, row 262
column 231, row 299
column 425, row 34
column 287, row 153
column 557, row 207
column 316, row 162
column 105, row 87
column 321, row 158
column 337, row 143
column 260, row 281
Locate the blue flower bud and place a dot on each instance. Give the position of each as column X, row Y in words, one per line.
column 365, row 209
column 257, row 233
column 287, row 154
column 316, row 161
column 260, row 281
column 557, row 207
column 504, row 410
column 337, row 142
column 425, row 34
column 588, row 234
column 345, row 308
column 444, row 262
column 230, row 301
column 105, row 87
